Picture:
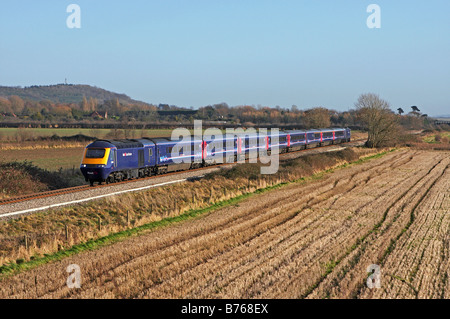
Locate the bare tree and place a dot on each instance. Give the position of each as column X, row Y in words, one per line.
column 376, row 115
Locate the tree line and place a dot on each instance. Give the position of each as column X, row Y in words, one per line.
column 14, row 108
column 370, row 112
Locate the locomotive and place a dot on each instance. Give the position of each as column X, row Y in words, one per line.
column 110, row 161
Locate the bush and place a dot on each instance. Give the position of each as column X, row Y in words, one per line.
column 26, row 178
column 404, row 139
column 14, row 180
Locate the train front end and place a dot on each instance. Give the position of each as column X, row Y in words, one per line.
column 97, row 162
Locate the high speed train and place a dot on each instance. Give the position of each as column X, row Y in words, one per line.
column 109, row 161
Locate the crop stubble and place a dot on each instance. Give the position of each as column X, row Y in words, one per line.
column 310, row 240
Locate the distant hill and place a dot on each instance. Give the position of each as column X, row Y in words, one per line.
column 65, row 93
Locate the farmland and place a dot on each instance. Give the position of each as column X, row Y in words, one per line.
column 311, row 239
column 51, row 159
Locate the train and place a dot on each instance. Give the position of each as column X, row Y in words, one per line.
column 110, row 161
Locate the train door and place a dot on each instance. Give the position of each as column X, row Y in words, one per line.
column 151, row 156
column 141, row 158
column 115, row 164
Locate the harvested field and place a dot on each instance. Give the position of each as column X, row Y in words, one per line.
column 304, row 240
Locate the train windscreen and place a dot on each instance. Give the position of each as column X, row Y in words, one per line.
column 95, row 153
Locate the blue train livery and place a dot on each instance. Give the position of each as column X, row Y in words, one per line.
column 112, row 161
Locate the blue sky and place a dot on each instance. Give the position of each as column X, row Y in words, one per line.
column 200, row 52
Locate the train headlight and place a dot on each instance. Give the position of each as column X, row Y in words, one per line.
column 83, row 165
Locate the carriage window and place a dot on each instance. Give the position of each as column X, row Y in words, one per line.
column 150, row 152
column 169, row 149
column 297, row 138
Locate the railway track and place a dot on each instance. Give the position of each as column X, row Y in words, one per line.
column 43, row 194
column 81, row 188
